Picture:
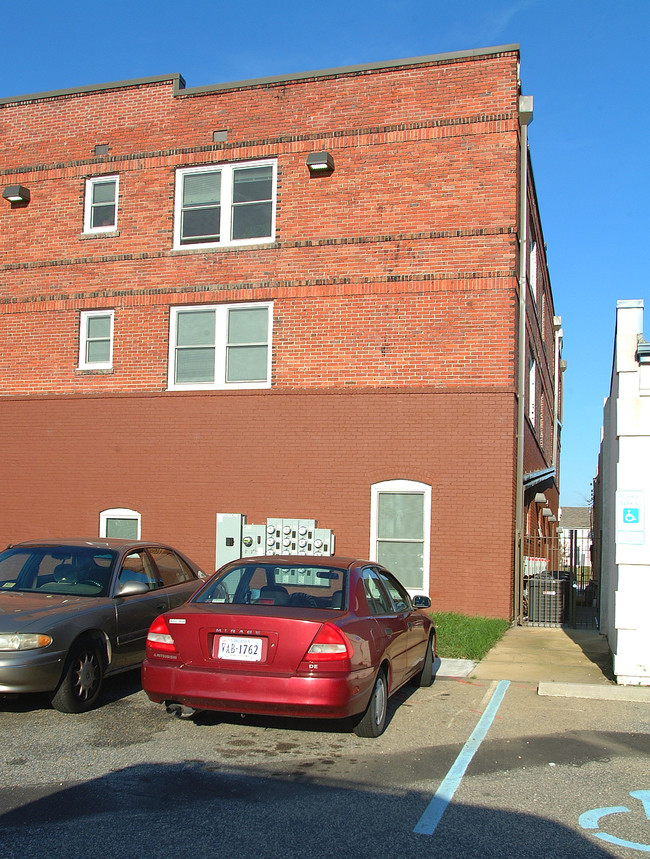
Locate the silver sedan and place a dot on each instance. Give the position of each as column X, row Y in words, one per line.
column 75, row 611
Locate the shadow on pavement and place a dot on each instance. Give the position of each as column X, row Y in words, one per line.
column 206, row 810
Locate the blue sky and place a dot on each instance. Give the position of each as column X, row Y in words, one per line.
column 585, row 64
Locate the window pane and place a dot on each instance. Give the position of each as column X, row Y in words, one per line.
column 201, row 224
column 200, row 189
column 252, row 184
column 401, row 516
column 195, row 365
column 252, row 220
column 195, row 328
column 103, row 216
column 104, row 192
column 98, row 352
column 405, row 560
column 247, row 364
column 126, row 528
column 99, row 326
column 248, row 326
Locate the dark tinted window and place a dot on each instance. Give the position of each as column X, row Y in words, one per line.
column 78, row 570
column 398, row 594
column 172, row 569
column 293, row 585
column 377, row 598
column 136, row 567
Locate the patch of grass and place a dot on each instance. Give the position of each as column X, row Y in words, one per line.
column 459, row 636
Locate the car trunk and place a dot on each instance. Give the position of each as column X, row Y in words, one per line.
column 272, row 640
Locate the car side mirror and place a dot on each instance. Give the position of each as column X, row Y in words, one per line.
column 127, row 589
column 421, row 602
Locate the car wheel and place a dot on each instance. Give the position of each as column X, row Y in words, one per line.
column 426, row 675
column 373, row 721
column 81, row 683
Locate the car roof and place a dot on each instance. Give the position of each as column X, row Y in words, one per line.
column 300, row 560
column 93, row 543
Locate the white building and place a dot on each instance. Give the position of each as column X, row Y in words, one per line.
column 621, row 494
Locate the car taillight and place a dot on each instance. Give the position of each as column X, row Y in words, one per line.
column 329, row 645
column 159, row 640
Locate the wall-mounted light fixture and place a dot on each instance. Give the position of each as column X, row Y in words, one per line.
column 320, row 163
column 552, row 518
column 547, row 512
column 540, row 498
column 16, row 194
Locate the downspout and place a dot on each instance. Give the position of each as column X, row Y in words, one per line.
column 525, row 118
column 557, row 414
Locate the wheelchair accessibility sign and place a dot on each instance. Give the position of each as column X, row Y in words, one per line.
column 598, row 820
column 630, row 518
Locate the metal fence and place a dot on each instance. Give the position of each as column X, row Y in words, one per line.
column 559, row 585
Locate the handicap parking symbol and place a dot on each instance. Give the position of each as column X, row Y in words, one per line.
column 631, row 515
column 591, row 820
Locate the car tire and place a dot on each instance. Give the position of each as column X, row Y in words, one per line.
column 82, row 679
column 373, row 721
column 425, row 677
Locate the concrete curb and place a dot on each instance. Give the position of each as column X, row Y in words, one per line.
column 590, row 690
column 453, row 667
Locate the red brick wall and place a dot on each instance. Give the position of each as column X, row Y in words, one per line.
column 395, row 309
column 180, row 459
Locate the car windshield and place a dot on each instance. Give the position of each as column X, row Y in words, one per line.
column 71, row 570
column 293, row 585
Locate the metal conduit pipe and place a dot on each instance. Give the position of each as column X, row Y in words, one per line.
column 525, row 118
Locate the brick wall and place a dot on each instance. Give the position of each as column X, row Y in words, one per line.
column 180, row 459
column 394, row 290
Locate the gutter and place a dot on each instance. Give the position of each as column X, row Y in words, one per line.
column 560, row 366
column 525, row 118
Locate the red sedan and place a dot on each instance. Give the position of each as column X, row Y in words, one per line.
column 286, row 636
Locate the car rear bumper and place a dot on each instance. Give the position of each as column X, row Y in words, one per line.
column 324, row 697
column 30, row 671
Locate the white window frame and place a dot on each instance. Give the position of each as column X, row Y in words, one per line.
column 84, row 364
column 532, row 388
column 221, row 332
column 227, row 171
column 88, row 204
column 119, row 513
column 532, row 270
column 401, row 487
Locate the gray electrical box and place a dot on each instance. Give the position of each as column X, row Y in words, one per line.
column 229, row 537
column 236, row 539
column 253, row 540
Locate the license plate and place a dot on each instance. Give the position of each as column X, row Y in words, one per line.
column 240, row 649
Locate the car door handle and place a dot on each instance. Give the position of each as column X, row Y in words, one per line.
column 161, row 607
column 388, row 631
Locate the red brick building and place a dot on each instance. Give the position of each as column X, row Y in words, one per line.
column 196, row 320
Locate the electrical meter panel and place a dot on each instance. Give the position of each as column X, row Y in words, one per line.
column 253, row 541
column 236, row 539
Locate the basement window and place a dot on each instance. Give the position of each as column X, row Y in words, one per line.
column 120, row 522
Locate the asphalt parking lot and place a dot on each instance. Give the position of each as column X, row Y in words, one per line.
column 551, row 777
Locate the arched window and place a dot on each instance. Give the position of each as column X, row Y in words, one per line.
column 120, row 522
column 400, row 531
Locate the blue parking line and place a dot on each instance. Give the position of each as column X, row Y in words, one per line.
column 426, row 825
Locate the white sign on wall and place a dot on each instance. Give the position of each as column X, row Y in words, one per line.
column 630, row 517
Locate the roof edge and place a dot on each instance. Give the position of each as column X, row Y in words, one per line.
column 350, row 70
column 180, row 88
column 176, row 79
